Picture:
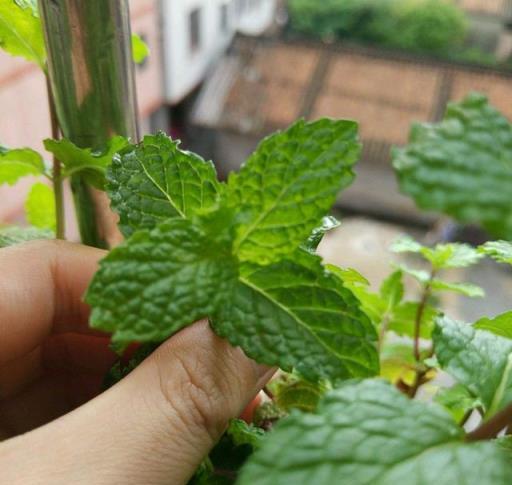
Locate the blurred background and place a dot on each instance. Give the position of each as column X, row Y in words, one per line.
column 224, row 73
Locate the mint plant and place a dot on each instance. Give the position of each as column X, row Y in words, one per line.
column 461, row 166
column 234, row 252
column 346, row 405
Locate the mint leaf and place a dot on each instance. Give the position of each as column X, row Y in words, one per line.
column 349, row 276
column 18, row 163
column 21, row 33
column 392, row 290
column 158, row 281
column 288, row 184
column 501, row 251
column 500, row 325
column 368, row 433
column 290, row 391
column 328, row 224
column 397, row 362
column 40, row 207
column 155, row 180
column 462, row 166
column 140, row 49
column 457, row 400
column 466, row 289
column 478, row 359
column 91, row 164
column 442, row 256
column 297, row 315
column 403, row 317
column 245, row 434
column 11, row 235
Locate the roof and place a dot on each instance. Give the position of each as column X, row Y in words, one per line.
column 265, row 85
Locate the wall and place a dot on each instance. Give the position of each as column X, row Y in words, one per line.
column 24, row 120
column 186, row 68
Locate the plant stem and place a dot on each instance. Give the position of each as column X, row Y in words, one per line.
column 58, row 186
column 419, row 315
column 382, row 333
column 490, row 429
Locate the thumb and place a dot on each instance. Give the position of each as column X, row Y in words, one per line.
column 153, row 427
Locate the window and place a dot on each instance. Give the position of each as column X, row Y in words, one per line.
column 224, row 18
column 195, row 29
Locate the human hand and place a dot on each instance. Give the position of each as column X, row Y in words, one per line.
column 155, row 426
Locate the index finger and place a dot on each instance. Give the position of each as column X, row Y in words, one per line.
column 41, row 288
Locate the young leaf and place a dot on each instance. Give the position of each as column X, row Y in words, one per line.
column 457, row 400
column 462, row 165
column 292, row 392
column 40, row 207
column 442, row 256
column 397, row 363
column 245, row 434
column 501, row 251
column 296, row 315
column 288, row 184
column 21, row 33
column 11, row 235
column 478, row 359
column 158, row 281
column 18, row 163
column 500, row 325
column 140, row 49
column 466, row 289
column 349, row 276
column 91, row 164
column 368, row 433
column 155, row 180
column 403, row 318
column 392, row 290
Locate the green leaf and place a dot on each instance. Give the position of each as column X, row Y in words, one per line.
column 349, row 276
column 500, row 325
column 18, row 163
column 368, row 433
column 392, row 290
column 155, row 180
column 21, row 33
column 288, row 184
column 245, row 434
column 161, row 280
column 328, row 224
column 462, row 166
column 292, row 392
column 457, row 400
column 397, row 363
column 140, row 49
column 11, row 235
column 419, row 275
column 402, row 321
column 501, row 251
column 466, row 289
column 91, row 164
column 40, row 207
column 442, row 256
column 296, row 315
column 478, row 359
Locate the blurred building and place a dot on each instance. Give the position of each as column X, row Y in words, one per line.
column 263, row 85
column 185, row 37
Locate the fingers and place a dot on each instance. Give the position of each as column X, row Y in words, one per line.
column 154, row 427
column 41, row 289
